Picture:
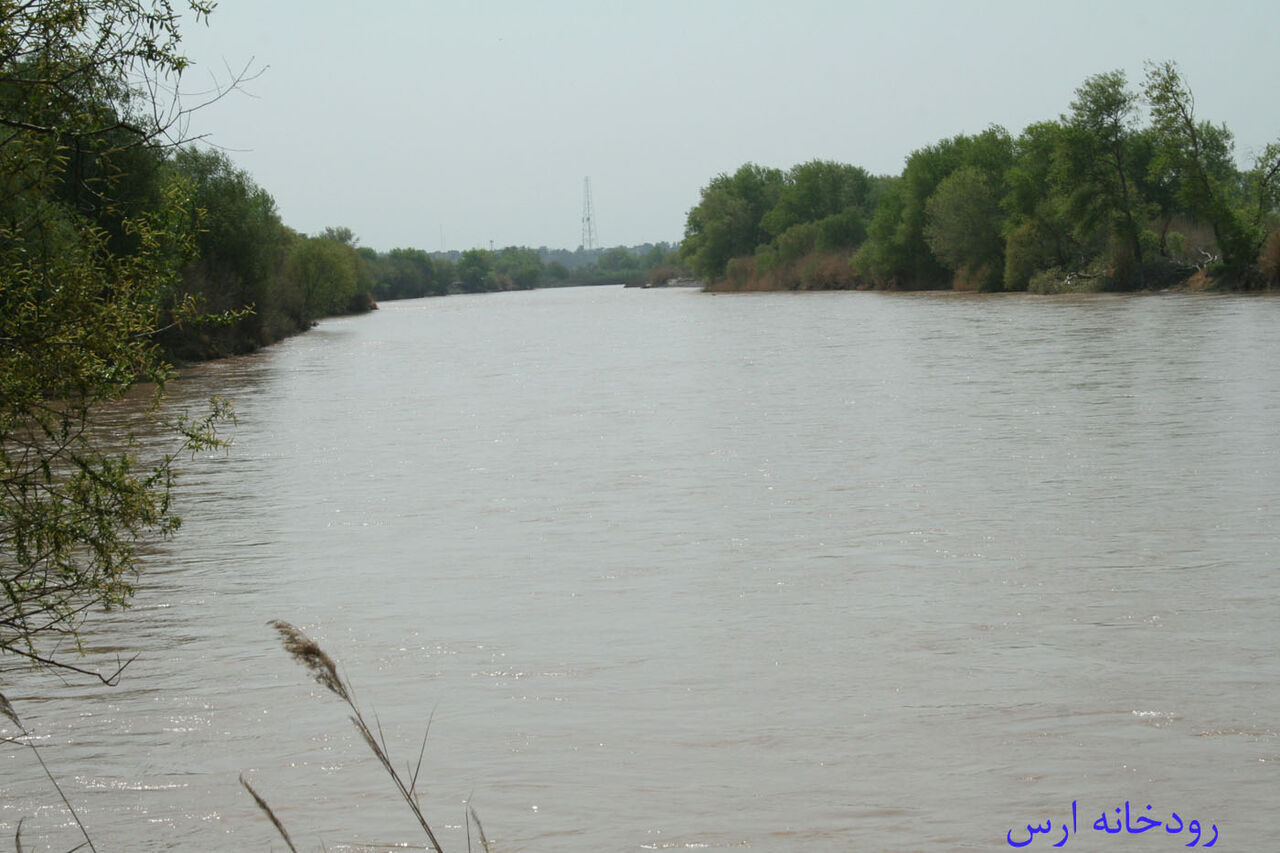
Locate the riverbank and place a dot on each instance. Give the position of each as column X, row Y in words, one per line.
column 820, row 271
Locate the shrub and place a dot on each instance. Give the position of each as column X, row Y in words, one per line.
column 797, row 242
column 1057, row 280
column 1022, row 256
column 1269, row 260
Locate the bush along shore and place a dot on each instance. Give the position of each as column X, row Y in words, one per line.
column 1128, row 190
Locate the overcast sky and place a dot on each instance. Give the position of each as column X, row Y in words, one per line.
column 442, row 123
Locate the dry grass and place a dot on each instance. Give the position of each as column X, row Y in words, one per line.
column 26, row 740
column 322, row 668
column 271, row 815
column 308, row 653
column 814, row 271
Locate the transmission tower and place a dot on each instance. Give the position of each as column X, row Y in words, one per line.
column 588, row 218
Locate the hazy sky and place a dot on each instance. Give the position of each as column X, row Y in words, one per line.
column 413, row 120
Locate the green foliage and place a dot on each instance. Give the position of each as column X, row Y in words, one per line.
column 766, row 259
column 897, row 252
column 557, row 271
column 618, row 262
column 93, row 234
column 475, row 271
column 340, row 234
column 962, row 226
column 1027, row 250
column 1099, row 161
column 817, row 190
column 844, row 230
column 883, row 254
column 797, row 241
column 655, row 257
column 407, row 273
column 511, row 268
column 330, row 275
column 521, row 266
column 1262, row 188
column 819, row 205
column 1093, row 200
column 727, row 222
column 237, row 267
column 404, row 274
column 1198, row 158
column 1039, row 234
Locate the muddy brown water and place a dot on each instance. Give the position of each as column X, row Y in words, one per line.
column 673, row 571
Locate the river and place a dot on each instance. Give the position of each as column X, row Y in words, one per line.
column 666, row 570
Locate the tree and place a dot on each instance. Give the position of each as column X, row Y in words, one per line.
column 1099, row 156
column 521, row 265
column 963, row 227
column 558, row 271
column 240, row 246
column 85, row 271
column 818, row 190
column 1038, row 236
column 896, row 250
column 404, row 274
column 330, row 274
column 475, row 270
column 340, row 234
column 1197, row 157
column 727, row 222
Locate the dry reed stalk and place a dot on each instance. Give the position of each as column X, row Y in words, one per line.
column 475, row 818
column 271, row 815
column 308, row 653
column 7, row 710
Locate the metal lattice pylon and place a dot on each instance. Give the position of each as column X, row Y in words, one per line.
column 588, row 217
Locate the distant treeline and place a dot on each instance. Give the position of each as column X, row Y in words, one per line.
column 412, row 273
column 266, row 280
column 274, row 281
column 1096, row 200
column 92, row 192
column 249, row 280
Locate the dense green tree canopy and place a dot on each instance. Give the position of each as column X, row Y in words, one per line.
column 119, row 247
column 816, row 190
column 1198, row 157
column 1099, row 167
column 727, row 222
column 897, row 249
column 521, row 266
column 329, row 273
column 91, row 245
column 404, row 274
column 1094, row 199
column 475, row 271
column 962, row 226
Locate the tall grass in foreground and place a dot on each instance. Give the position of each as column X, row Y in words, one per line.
column 307, row 652
column 26, row 740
